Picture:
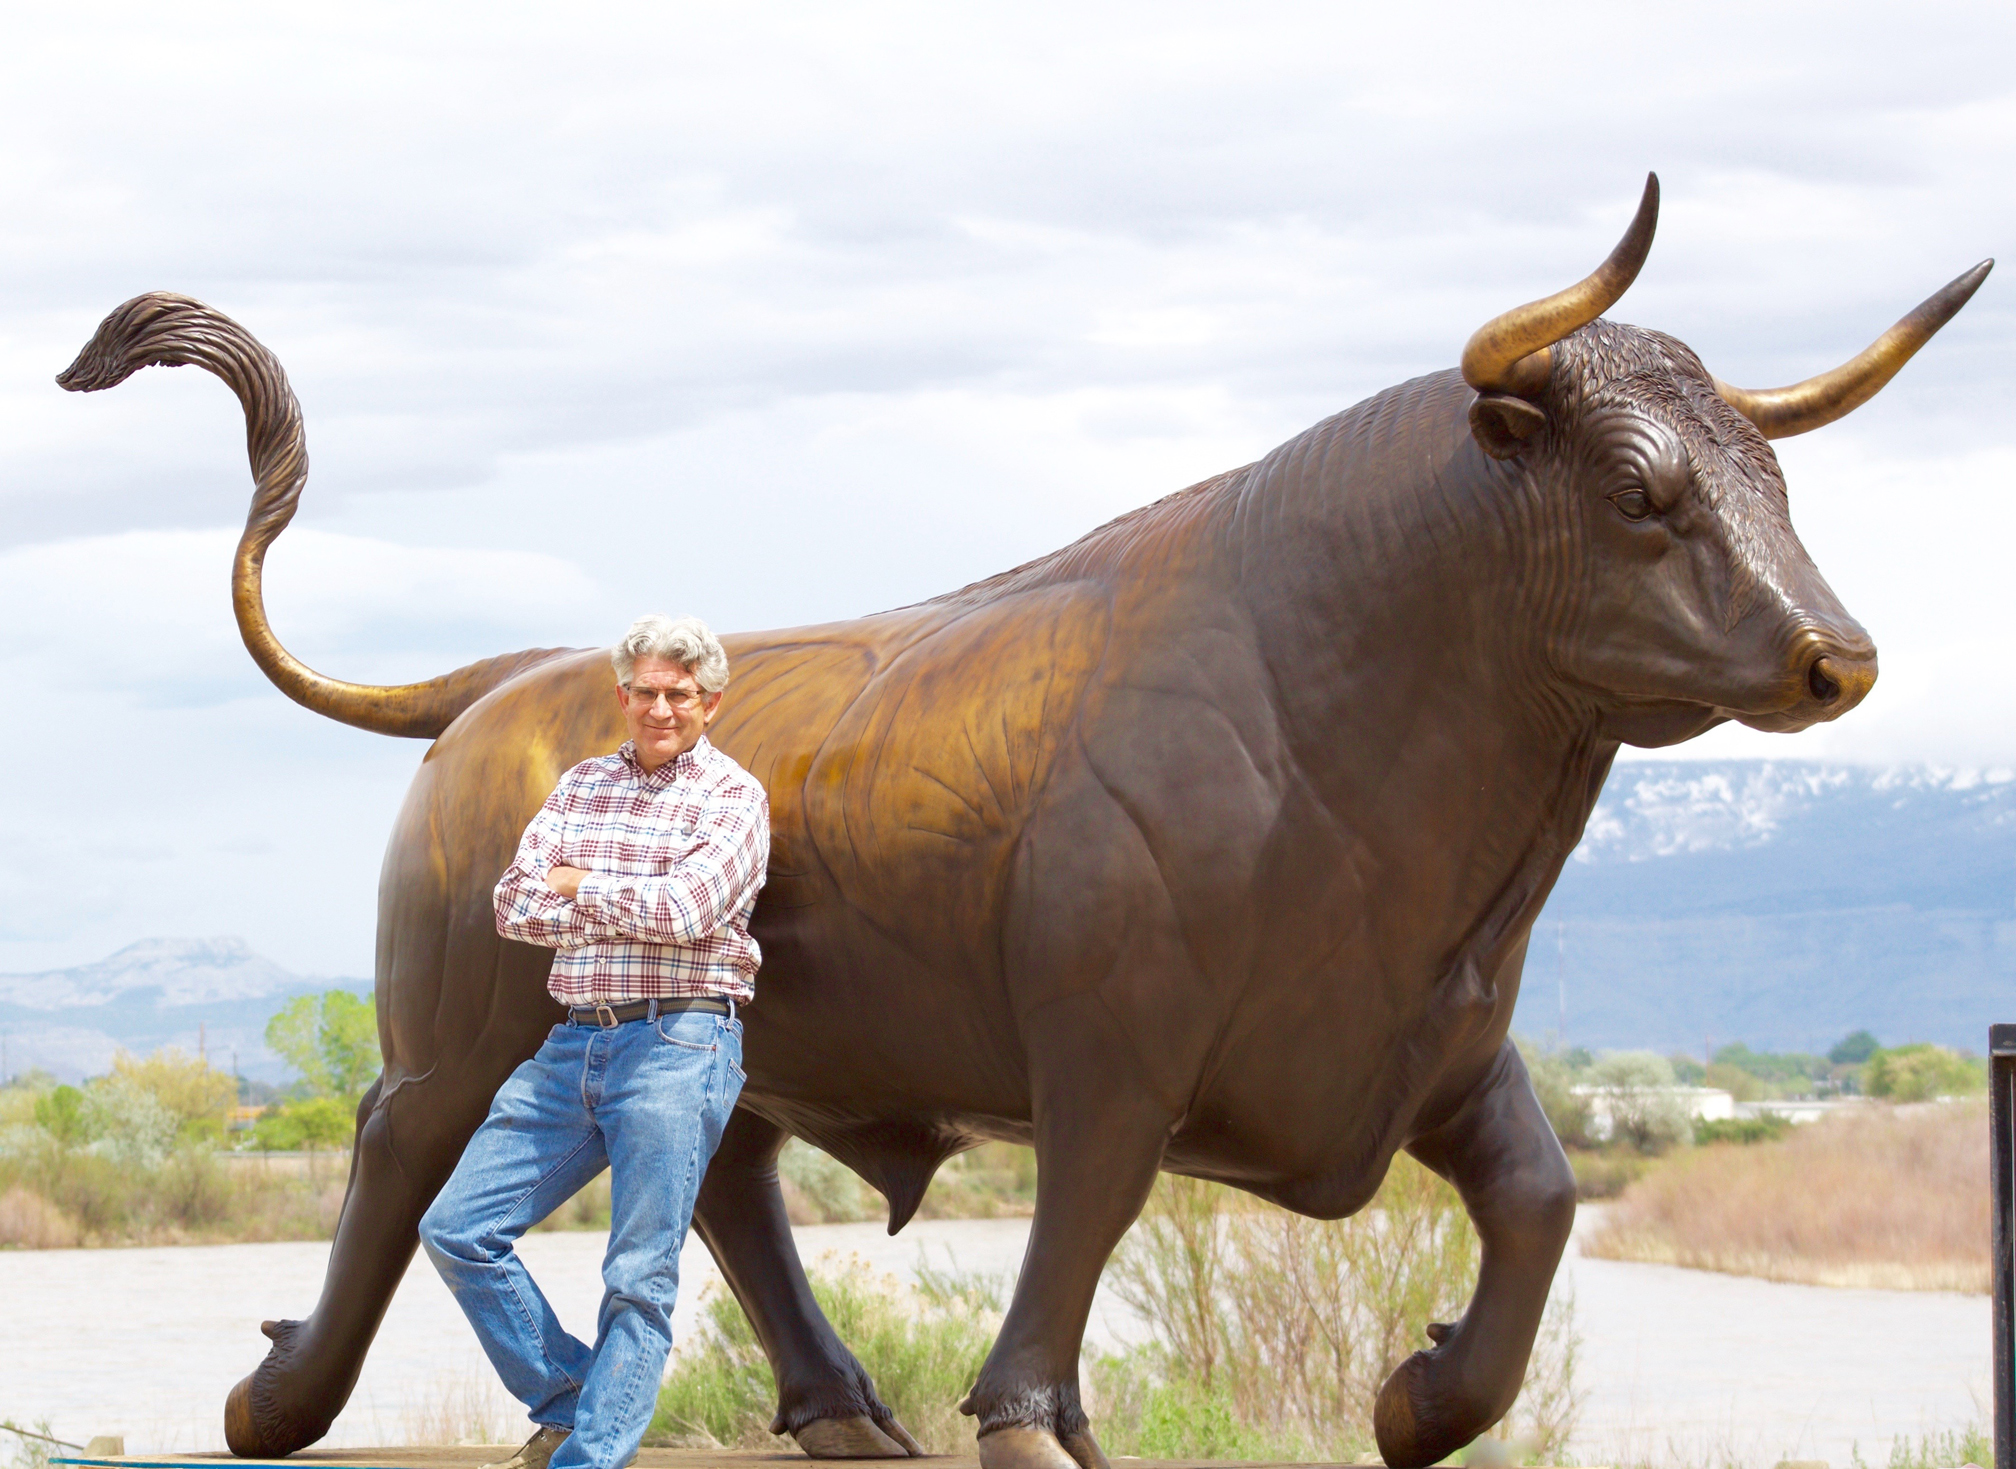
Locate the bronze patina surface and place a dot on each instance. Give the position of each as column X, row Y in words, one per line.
column 1209, row 843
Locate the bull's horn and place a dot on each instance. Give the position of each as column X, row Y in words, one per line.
column 1781, row 412
column 1509, row 353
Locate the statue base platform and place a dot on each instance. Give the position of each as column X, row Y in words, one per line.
column 469, row 1456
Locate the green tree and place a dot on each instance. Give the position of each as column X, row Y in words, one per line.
column 1921, row 1071
column 1853, row 1049
column 319, row 1122
column 60, row 1113
column 331, row 1039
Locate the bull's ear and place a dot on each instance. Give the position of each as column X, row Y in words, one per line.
column 1502, row 423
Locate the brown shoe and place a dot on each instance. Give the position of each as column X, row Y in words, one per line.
column 536, row 1451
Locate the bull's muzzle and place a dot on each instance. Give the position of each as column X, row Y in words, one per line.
column 1840, row 680
column 1836, row 674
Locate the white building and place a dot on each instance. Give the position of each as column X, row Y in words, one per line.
column 1695, row 1103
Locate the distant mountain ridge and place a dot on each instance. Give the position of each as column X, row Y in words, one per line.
column 1783, row 904
column 213, row 993
column 176, row 971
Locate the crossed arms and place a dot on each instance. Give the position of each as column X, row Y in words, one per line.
column 557, row 905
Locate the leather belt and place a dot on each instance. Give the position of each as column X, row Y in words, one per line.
column 608, row 1016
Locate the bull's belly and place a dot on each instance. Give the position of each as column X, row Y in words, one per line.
column 1306, row 1110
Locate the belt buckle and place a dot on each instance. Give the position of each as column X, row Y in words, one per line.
column 605, row 1015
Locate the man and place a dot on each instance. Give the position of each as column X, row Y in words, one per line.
column 641, row 871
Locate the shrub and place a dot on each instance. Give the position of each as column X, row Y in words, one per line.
column 318, row 1122
column 1273, row 1332
column 1920, row 1072
column 126, row 1122
column 923, row 1346
column 30, row 1222
column 1762, row 1129
column 193, row 1092
column 23, row 1451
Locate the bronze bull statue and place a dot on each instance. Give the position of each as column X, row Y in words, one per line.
column 1210, row 843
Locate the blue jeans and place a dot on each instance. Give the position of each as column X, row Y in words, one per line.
column 647, row 1099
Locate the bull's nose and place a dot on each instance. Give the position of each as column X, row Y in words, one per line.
column 1837, row 681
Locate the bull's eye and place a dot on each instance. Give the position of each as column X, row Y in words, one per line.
column 1632, row 504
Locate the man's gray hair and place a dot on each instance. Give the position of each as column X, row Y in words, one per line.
column 686, row 641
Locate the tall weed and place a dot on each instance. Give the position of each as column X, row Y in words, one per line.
column 1273, row 1332
column 922, row 1345
column 1967, row 1445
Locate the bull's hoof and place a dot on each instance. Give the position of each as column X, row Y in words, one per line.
column 1020, row 1447
column 1417, row 1419
column 1083, row 1447
column 858, row 1437
column 258, row 1422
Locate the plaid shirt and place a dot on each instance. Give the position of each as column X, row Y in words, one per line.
column 676, row 856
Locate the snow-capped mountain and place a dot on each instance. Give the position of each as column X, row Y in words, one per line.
column 215, row 994
column 1783, row 905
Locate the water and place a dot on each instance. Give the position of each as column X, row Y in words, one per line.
column 1680, row 1366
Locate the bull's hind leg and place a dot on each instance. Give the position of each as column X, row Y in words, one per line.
column 1503, row 1158
column 407, row 1145
column 825, row 1399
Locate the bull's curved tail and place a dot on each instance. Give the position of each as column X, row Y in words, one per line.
column 163, row 329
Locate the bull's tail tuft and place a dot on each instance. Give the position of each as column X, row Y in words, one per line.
column 161, row 329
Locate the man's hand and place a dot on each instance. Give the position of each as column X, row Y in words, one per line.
column 566, row 881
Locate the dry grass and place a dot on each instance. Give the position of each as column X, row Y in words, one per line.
column 1891, row 1198
column 469, row 1408
column 30, row 1222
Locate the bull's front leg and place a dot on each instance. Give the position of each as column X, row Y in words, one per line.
column 1516, row 1183
column 1099, row 1135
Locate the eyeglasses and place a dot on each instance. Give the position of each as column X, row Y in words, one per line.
column 674, row 698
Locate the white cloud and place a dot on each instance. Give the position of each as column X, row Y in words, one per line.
column 781, row 314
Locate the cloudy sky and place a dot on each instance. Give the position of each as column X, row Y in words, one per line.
column 786, row 313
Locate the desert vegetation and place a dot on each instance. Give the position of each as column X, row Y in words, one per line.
column 1893, row 1197
column 137, row 1156
column 1270, row 1333
column 159, row 1150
